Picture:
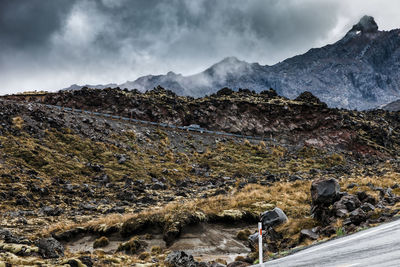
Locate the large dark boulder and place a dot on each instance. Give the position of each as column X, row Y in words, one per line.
column 364, row 197
column 253, row 239
column 348, row 202
column 51, row 211
column 325, row 192
column 180, row 259
column 9, row 237
column 358, row 216
column 87, row 260
column 50, row 248
column 367, row 207
column 273, row 218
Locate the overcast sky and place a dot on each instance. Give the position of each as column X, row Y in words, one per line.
column 51, row 44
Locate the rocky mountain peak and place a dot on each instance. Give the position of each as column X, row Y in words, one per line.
column 230, row 60
column 173, row 74
column 366, row 24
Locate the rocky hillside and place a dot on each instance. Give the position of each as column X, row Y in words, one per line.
column 81, row 189
column 360, row 71
column 302, row 121
column 392, row 106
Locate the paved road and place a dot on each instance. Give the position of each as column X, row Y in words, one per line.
column 378, row 246
column 192, row 128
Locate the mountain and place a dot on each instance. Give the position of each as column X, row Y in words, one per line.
column 360, row 71
column 392, row 106
column 98, row 86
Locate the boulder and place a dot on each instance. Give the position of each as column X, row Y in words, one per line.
column 50, row 248
column 308, row 233
column 180, row 259
column 352, row 185
column 87, row 260
column 74, row 263
column 253, row 240
column 122, row 158
column 52, row 211
column 364, row 197
column 328, row 230
column 367, row 207
column 22, row 201
column 294, row 178
column 158, row 186
column 272, row 178
column 348, row 202
column 273, row 218
column 9, row 237
column 95, row 167
column 341, row 213
column 325, row 192
column 358, row 216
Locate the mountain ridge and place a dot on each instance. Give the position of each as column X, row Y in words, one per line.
column 359, row 71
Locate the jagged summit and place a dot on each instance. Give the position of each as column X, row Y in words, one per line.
column 366, row 24
column 229, row 65
column 229, row 60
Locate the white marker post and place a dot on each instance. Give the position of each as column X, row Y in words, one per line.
column 260, row 250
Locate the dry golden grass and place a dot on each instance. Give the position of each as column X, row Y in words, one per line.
column 98, row 223
column 388, row 179
column 18, row 122
column 291, row 197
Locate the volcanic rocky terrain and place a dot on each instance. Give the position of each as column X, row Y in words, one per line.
column 81, row 189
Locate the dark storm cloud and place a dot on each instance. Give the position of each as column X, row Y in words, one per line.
column 49, row 44
column 29, row 23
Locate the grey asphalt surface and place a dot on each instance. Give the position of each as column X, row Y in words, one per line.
column 378, row 246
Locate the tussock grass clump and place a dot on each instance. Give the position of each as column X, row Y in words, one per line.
column 133, row 246
column 18, row 122
column 243, row 234
column 144, row 256
column 155, row 250
column 101, row 242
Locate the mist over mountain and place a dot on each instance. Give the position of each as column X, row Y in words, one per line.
column 360, row 71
